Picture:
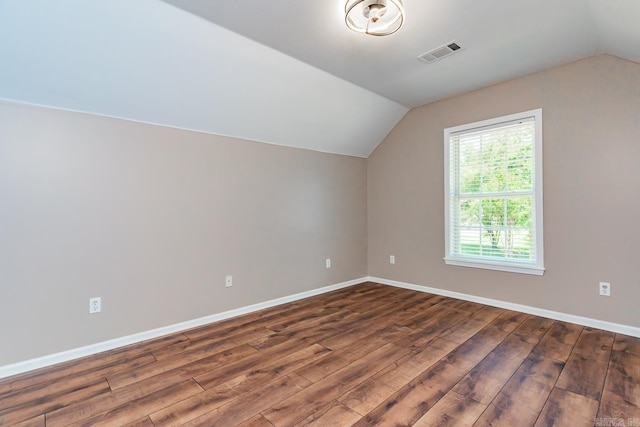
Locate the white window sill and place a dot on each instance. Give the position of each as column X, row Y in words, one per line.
column 492, row 265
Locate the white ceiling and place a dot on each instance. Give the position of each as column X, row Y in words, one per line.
column 287, row 72
column 502, row 39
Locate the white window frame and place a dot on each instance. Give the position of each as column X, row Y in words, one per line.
column 509, row 265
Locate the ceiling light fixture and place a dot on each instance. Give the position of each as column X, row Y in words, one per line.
column 374, row 17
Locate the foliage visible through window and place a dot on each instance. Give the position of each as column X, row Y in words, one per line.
column 494, row 194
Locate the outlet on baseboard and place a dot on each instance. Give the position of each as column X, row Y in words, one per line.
column 605, row 289
column 95, row 305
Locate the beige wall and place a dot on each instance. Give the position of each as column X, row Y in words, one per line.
column 591, row 130
column 152, row 219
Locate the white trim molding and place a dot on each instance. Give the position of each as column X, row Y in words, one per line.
column 488, row 265
column 76, row 353
column 68, row 355
column 555, row 315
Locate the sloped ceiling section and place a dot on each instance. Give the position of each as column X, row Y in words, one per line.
column 148, row 61
column 500, row 39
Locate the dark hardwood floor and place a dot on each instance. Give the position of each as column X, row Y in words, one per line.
column 365, row 355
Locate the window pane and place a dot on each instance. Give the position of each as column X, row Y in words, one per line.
column 518, row 236
column 470, row 231
column 470, row 212
column 493, row 226
column 520, row 163
column 519, row 212
column 493, row 163
column 470, row 168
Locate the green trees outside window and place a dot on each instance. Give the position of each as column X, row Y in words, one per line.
column 495, row 169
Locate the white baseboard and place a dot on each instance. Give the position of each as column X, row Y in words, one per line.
column 65, row 356
column 555, row 315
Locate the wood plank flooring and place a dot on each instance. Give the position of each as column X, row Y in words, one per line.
column 363, row 356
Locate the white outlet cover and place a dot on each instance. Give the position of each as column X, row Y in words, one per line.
column 228, row 281
column 328, row 262
column 95, row 305
column 392, row 259
column 605, row 289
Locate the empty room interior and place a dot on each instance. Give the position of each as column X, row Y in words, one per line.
column 293, row 213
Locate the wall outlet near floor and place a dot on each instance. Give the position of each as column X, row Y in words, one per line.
column 392, row 259
column 327, row 263
column 95, row 305
column 228, row 281
column 605, row 289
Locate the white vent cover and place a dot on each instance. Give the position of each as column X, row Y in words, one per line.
column 440, row 52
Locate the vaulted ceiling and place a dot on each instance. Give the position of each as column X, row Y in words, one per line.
column 287, row 72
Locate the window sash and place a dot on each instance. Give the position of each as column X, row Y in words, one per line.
column 509, row 240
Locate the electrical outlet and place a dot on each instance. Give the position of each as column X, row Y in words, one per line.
column 228, row 281
column 392, row 259
column 605, row 289
column 95, row 305
column 328, row 262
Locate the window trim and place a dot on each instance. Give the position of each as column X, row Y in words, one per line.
column 501, row 264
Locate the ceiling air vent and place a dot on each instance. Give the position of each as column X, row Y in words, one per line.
column 439, row 52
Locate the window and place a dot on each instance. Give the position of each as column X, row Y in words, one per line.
column 493, row 194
